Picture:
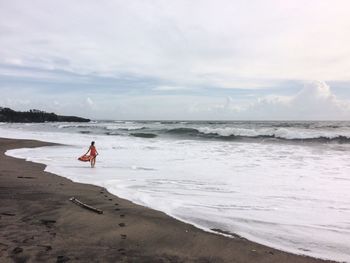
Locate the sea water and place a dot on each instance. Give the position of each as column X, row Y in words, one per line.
column 282, row 184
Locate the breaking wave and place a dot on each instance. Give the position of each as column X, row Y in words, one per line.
column 318, row 132
column 143, row 135
column 280, row 133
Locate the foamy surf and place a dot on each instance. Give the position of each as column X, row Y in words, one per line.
column 290, row 196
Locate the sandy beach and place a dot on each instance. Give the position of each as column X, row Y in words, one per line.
column 38, row 223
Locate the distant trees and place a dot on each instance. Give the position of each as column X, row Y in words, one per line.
column 34, row 115
column 36, row 111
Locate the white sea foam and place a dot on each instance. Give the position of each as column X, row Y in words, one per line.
column 124, row 127
column 75, row 125
column 283, row 133
column 292, row 197
column 228, row 131
column 62, row 126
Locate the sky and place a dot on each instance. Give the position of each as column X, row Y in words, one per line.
column 162, row 59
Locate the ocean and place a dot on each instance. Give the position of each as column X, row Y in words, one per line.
column 285, row 184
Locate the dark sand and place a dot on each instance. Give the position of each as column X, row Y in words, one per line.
column 38, row 223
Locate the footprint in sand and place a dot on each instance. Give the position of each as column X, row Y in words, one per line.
column 8, row 214
column 122, row 251
column 122, row 224
column 17, row 250
column 122, row 215
column 117, row 209
column 47, row 247
column 123, row 236
column 62, row 259
column 28, row 239
column 48, row 222
column 3, row 247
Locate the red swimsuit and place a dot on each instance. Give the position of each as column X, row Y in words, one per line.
column 93, row 151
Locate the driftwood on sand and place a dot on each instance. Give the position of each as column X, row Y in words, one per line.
column 89, row 207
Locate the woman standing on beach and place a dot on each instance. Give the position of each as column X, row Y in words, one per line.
column 93, row 154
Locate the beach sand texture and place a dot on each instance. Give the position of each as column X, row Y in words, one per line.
column 38, row 223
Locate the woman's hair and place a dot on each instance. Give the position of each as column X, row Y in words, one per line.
column 92, row 143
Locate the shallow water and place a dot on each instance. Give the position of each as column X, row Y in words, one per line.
column 291, row 195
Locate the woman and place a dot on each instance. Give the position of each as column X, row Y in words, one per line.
column 93, row 154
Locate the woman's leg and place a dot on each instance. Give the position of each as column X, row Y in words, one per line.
column 93, row 161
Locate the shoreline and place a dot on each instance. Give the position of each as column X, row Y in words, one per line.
column 38, row 223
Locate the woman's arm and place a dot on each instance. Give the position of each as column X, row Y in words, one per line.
column 88, row 151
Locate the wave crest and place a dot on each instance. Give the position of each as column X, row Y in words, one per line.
column 143, row 135
column 230, row 133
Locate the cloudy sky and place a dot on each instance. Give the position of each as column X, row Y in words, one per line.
column 218, row 59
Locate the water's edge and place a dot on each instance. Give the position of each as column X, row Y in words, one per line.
column 223, row 232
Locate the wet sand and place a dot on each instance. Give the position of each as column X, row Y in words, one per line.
column 38, row 223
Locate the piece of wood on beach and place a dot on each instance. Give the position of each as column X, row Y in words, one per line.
column 89, row 207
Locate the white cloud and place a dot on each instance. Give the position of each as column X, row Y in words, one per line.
column 185, row 48
column 224, row 43
column 314, row 101
column 13, row 61
column 171, row 88
column 89, row 102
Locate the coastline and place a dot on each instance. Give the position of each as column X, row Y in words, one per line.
column 38, row 223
